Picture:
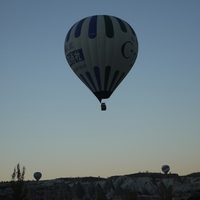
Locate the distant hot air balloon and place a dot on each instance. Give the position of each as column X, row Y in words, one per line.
column 101, row 50
column 165, row 168
column 37, row 176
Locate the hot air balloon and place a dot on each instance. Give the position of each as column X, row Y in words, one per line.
column 101, row 50
column 165, row 168
column 37, row 176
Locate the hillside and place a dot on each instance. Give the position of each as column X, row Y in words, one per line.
column 133, row 186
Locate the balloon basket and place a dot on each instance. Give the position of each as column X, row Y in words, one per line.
column 103, row 106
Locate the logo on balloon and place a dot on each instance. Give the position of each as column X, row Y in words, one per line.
column 75, row 56
column 127, row 49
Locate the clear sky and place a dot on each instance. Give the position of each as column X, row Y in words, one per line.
column 49, row 120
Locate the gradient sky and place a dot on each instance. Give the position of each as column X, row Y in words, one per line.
column 50, row 122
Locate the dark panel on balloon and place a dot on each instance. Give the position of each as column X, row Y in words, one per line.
column 91, row 80
column 107, row 75
column 78, row 28
column 97, row 74
column 92, row 32
column 122, row 25
column 109, row 27
column 114, row 79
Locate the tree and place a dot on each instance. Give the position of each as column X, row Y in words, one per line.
column 20, row 192
column 130, row 195
column 79, row 190
column 100, row 194
column 165, row 193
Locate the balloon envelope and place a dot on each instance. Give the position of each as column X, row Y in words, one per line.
column 37, row 176
column 165, row 168
column 101, row 50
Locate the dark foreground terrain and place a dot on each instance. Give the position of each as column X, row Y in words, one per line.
column 128, row 187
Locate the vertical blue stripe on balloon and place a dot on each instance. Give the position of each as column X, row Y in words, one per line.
column 68, row 34
column 119, row 81
column 122, row 25
column 114, row 79
column 107, row 75
column 109, row 27
column 92, row 32
column 91, row 80
column 97, row 74
column 84, row 81
column 132, row 30
column 78, row 28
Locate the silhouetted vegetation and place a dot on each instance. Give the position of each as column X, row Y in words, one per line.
column 19, row 191
column 165, row 192
column 100, row 194
column 130, row 195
